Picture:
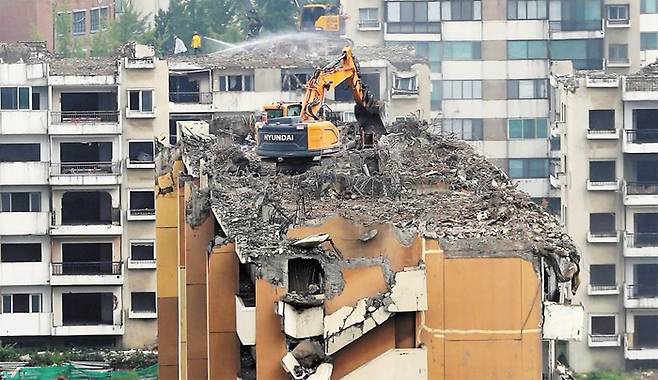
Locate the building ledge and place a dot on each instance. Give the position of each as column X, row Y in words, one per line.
column 612, row 237
column 596, row 290
column 130, row 114
column 596, row 134
column 140, row 216
column 140, row 165
column 142, row 264
column 142, row 314
column 618, row 64
column 604, row 340
column 602, row 185
column 618, row 24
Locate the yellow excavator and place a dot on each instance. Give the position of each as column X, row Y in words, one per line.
column 310, row 136
column 320, row 17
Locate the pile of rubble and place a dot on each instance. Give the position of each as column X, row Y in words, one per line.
column 429, row 185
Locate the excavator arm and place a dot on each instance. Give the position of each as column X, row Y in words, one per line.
column 344, row 69
column 254, row 23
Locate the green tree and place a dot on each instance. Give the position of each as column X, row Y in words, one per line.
column 63, row 32
column 128, row 26
column 277, row 15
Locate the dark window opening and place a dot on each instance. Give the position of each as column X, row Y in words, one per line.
column 645, row 126
column 86, row 259
column 646, row 331
column 20, row 202
column 603, row 325
column 142, row 302
column 140, row 151
column 20, row 252
column 98, row 309
column 293, row 81
column 602, row 120
column 142, row 202
column 81, row 207
column 602, row 275
column 305, row 276
column 343, row 92
column 645, row 283
column 646, row 230
column 142, row 251
column 246, row 288
column 602, row 224
column 90, row 157
column 602, row 171
column 21, row 303
column 89, row 106
column 20, row 152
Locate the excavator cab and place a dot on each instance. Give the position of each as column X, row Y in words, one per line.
column 281, row 109
column 320, row 17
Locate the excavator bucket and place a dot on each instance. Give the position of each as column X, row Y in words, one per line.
column 371, row 118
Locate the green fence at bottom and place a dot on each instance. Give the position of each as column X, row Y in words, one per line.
column 70, row 372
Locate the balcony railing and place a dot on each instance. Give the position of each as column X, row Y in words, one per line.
column 604, row 338
column 642, row 239
column 639, row 136
column 85, row 117
column 86, row 268
column 603, row 288
column 142, row 211
column 601, row 131
column 191, row 97
column 641, row 340
column 85, row 168
column 642, row 188
column 369, row 24
column 636, row 291
column 603, row 234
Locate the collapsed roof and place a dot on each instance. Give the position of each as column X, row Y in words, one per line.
column 424, row 185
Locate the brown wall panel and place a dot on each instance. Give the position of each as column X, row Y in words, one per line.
column 224, row 356
column 167, row 330
column 360, row 283
column 222, row 286
column 270, row 340
column 364, row 349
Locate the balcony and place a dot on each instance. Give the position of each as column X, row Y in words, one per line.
column 302, row 319
column 24, row 223
column 643, row 193
column 636, row 349
column 598, row 185
column 602, row 81
column 141, row 214
column 86, row 229
column 618, row 62
column 602, row 134
column 87, row 330
column 640, row 88
column 139, row 63
column 640, row 244
column 23, row 173
column 24, row 274
column 604, row 340
column 85, row 173
column 245, row 321
column 602, row 237
column 86, row 273
column 26, row 324
column 85, row 122
column 368, row 25
column 24, row 122
column 641, row 296
column 180, row 101
column 141, row 264
column 602, row 290
column 640, row 141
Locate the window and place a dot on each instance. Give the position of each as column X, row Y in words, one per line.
column 569, row 15
column 602, row 171
column 142, row 202
column 432, row 52
column 648, row 41
column 79, row 22
column 368, row 17
column 602, row 120
column 462, row 89
column 618, row 53
column 602, row 325
column 20, row 252
column 584, row 54
column 436, row 96
column 412, row 17
column 405, row 83
column 14, row 98
column 527, row 89
column 528, row 168
column 461, row 10
column 142, row 251
column 236, row 83
column 527, row 50
column 527, row 128
column 465, row 129
column 459, row 51
column 618, row 14
column 20, row 202
column 97, row 19
column 527, row 9
column 142, row 302
column 555, row 143
column 140, row 100
column 293, row 81
column 602, row 224
column 20, row 152
column 140, row 152
column 21, row 303
column 649, row 6
column 602, row 275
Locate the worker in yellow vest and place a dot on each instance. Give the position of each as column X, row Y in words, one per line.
column 196, row 43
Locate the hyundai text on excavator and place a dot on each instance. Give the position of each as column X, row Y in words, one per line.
column 309, row 136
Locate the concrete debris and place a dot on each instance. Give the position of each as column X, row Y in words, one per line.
column 311, row 241
column 423, row 184
column 309, row 353
column 84, row 66
column 23, row 52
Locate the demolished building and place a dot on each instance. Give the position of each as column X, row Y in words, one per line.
column 415, row 259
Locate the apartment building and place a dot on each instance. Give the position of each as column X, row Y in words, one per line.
column 490, row 62
column 77, row 232
column 239, row 84
column 607, row 175
column 342, row 292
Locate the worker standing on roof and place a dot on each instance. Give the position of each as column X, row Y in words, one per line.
column 196, row 43
column 179, row 46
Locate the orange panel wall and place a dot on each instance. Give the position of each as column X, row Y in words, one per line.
column 270, row 340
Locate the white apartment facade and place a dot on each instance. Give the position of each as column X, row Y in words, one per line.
column 77, row 219
column 608, row 178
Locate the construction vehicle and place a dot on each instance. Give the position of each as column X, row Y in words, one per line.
column 254, row 22
column 310, row 136
column 281, row 109
column 320, row 17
